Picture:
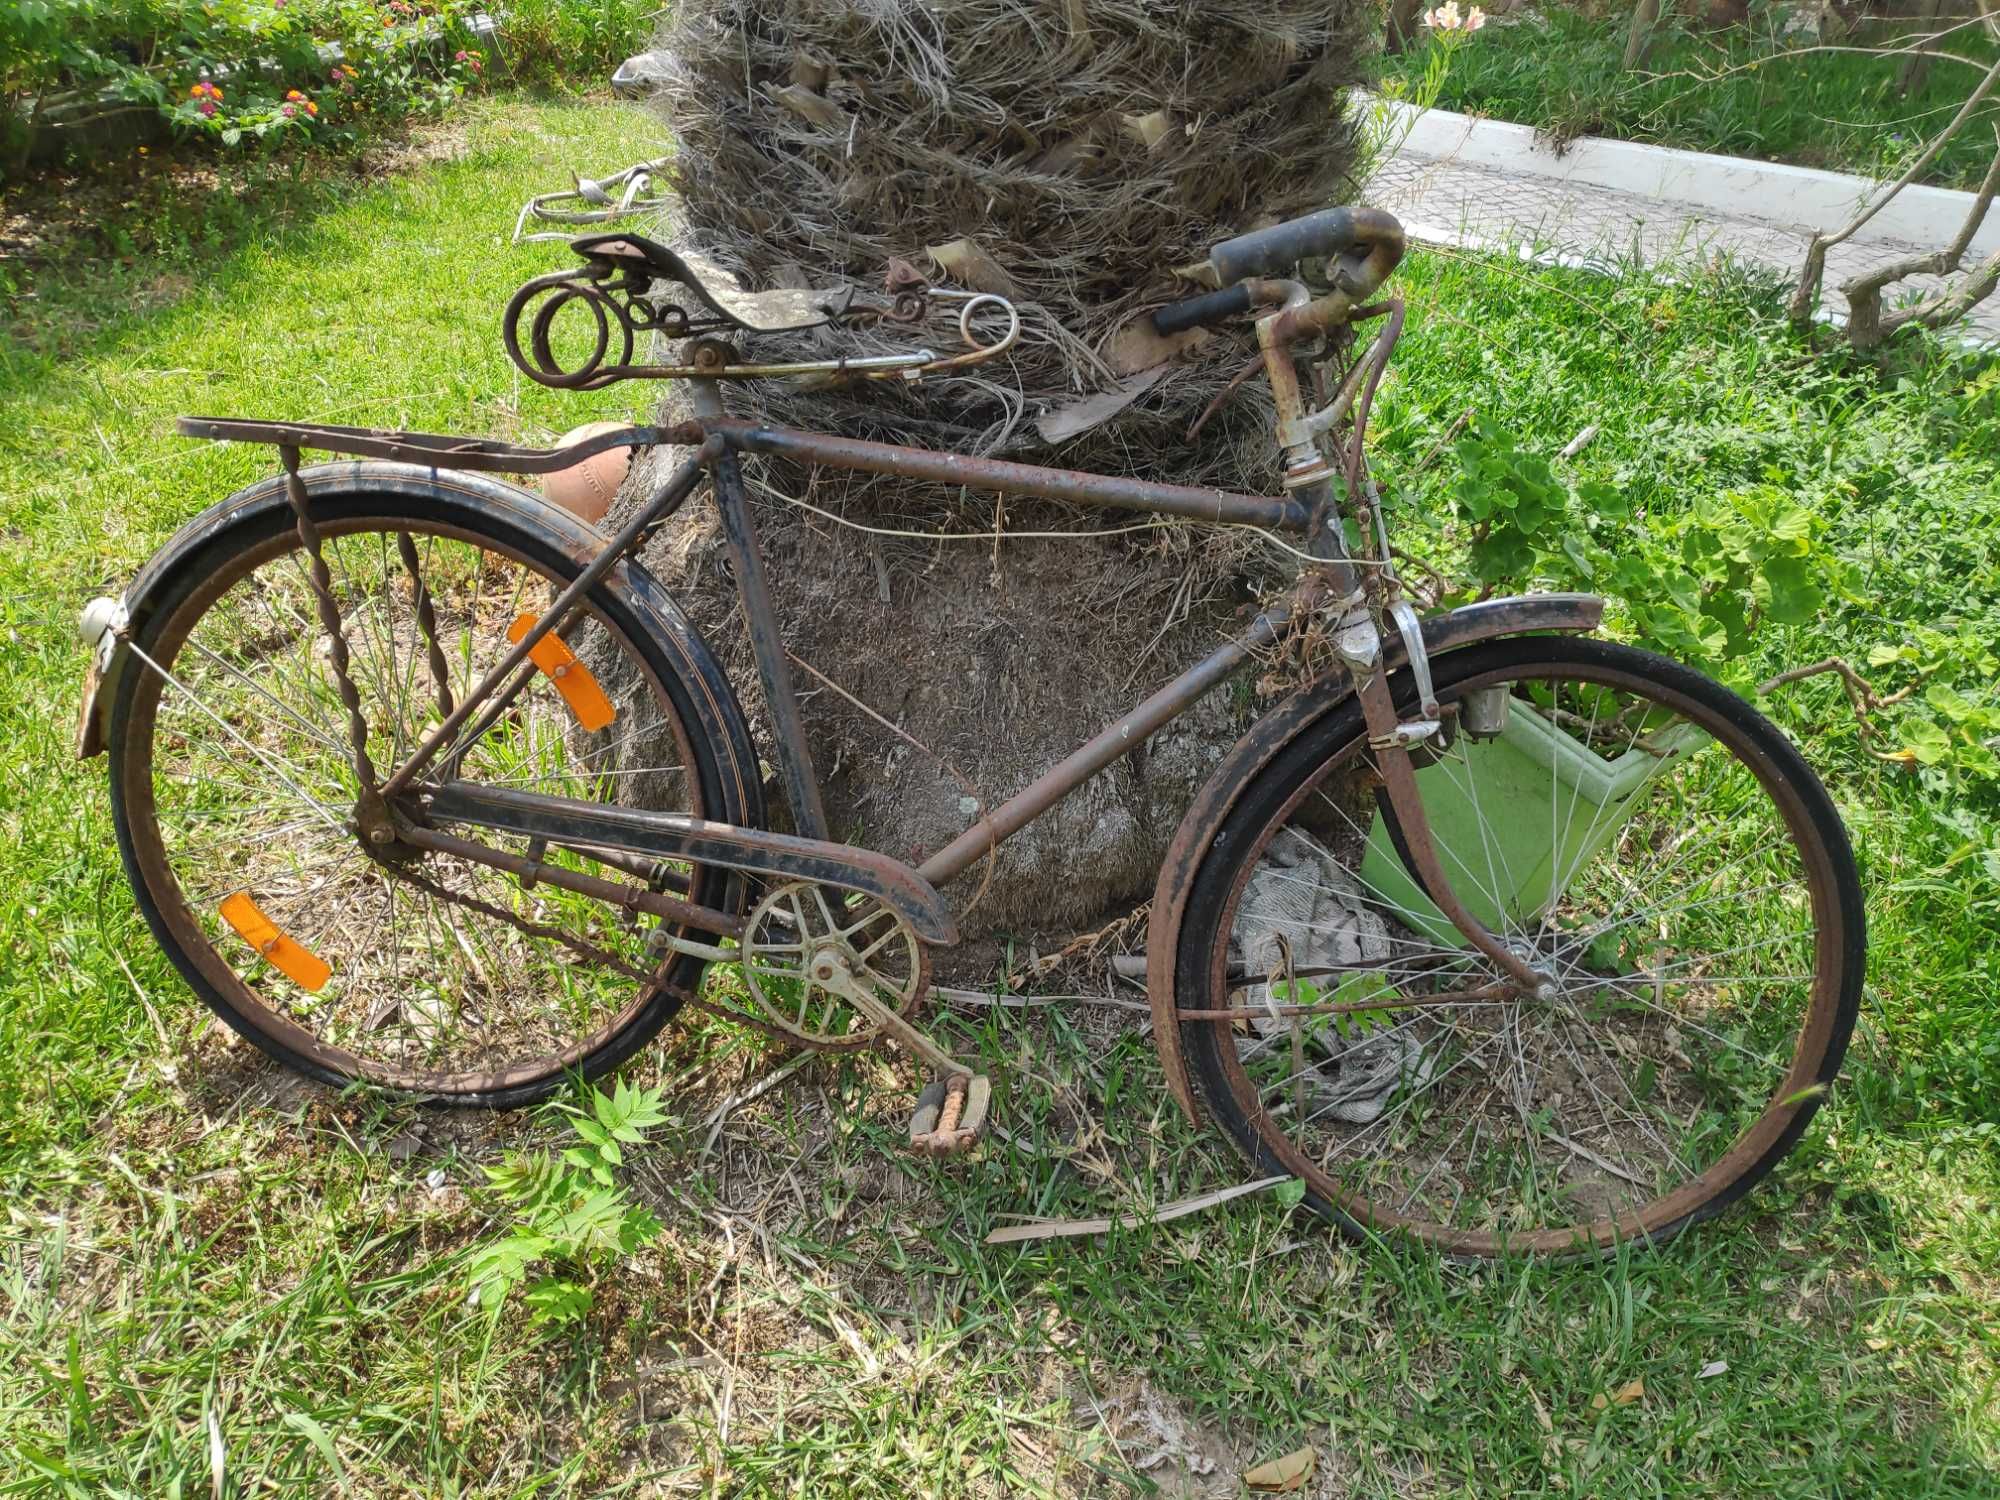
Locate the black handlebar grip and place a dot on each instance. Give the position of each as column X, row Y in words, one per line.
column 1274, row 251
column 1209, row 307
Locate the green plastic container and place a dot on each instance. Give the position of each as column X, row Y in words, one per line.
column 1549, row 805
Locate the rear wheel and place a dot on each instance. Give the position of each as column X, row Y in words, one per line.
column 235, row 795
column 1637, row 833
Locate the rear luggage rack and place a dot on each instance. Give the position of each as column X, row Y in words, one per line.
column 436, row 450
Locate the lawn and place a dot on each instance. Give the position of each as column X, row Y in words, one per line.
column 1740, row 91
column 203, row 1257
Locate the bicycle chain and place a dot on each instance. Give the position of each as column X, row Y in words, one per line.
column 584, row 948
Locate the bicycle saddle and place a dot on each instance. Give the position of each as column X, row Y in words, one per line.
column 780, row 311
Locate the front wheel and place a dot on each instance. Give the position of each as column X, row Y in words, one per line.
column 1637, row 833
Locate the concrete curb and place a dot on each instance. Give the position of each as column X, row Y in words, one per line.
column 1727, row 186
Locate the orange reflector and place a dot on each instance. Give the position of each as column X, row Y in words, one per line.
column 572, row 678
column 299, row 964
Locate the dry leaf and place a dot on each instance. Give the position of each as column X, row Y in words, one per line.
column 1281, row 1475
column 1066, row 422
column 1542, row 1413
column 1712, row 1369
column 1630, row 1391
column 1149, row 130
column 810, row 107
column 1878, row 1345
column 967, row 263
column 1136, row 347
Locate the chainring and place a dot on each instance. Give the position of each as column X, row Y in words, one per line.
column 799, row 920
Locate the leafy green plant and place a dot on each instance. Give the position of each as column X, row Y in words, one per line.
column 234, row 71
column 1695, row 585
column 572, row 1219
column 1355, row 989
column 547, row 41
column 1700, row 583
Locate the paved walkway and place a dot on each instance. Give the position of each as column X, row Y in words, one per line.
column 1477, row 184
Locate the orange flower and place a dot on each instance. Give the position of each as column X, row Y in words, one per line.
column 312, row 108
column 293, row 94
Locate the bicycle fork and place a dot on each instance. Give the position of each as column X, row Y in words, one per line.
column 1390, row 736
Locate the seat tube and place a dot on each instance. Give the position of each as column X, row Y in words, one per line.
column 732, row 503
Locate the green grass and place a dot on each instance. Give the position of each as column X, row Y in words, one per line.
column 1738, row 91
column 197, row 1245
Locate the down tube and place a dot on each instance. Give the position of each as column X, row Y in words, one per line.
column 1115, row 740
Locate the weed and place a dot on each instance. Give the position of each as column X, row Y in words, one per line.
column 570, row 1215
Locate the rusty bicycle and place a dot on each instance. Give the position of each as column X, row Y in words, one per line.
column 1495, row 934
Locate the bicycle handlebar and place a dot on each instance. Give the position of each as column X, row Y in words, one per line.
column 1364, row 244
column 1209, row 307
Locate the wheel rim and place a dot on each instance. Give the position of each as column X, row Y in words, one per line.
column 1576, row 1119
column 425, row 995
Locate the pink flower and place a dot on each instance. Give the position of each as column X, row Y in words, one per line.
column 1447, row 18
column 290, row 110
column 207, row 107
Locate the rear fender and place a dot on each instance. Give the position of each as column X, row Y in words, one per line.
column 219, row 533
column 1526, row 615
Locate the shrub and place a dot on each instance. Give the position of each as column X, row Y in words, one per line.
column 1699, row 585
column 547, row 41
column 237, row 71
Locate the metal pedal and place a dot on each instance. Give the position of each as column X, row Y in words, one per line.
column 950, row 1115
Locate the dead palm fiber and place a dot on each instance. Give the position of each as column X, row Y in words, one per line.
column 1072, row 153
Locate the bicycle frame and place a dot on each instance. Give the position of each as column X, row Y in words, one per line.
column 719, row 442
column 1335, row 587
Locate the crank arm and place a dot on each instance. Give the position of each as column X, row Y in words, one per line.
column 862, row 997
column 951, row 1112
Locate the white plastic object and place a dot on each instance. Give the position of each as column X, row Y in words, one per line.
column 103, row 620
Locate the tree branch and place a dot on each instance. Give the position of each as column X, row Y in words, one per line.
column 1813, row 272
column 1861, row 694
column 1866, row 326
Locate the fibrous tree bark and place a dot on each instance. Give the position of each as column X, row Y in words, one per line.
column 1076, row 154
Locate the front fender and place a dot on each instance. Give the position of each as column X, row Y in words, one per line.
column 1528, row 614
